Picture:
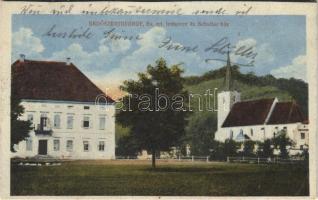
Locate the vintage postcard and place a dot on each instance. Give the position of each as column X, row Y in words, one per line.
column 190, row 99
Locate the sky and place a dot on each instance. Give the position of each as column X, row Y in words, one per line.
column 279, row 43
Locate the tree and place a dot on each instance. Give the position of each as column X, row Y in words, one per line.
column 127, row 146
column 201, row 131
column 282, row 141
column 230, row 147
column 248, row 148
column 217, row 152
column 265, row 149
column 19, row 128
column 154, row 109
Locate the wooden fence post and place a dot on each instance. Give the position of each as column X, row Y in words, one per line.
column 227, row 159
column 207, row 159
column 258, row 160
column 192, row 158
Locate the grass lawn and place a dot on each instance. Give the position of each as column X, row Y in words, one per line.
column 170, row 178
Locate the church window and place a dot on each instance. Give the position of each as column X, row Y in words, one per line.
column 231, row 134
column 252, row 132
column 302, row 136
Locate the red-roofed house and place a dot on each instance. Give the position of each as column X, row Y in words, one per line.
column 60, row 101
column 258, row 119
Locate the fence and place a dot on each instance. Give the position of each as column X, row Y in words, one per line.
column 258, row 160
column 178, row 158
column 241, row 159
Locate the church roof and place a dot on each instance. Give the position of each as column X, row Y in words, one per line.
column 50, row 80
column 247, row 113
column 255, row 112
column 285, row 113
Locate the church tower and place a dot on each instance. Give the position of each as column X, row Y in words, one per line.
column 228, row 96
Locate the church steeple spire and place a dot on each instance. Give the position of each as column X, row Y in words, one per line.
column 227, row 80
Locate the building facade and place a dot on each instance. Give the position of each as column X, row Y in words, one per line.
column 60, row 102
column 259, row 119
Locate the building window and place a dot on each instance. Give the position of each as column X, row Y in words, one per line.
column 301, row 147
column 102, row 121
column 69, row 145
column 86, row 145
column 231, row 134
column 101, row 146
column 86, row 122
column 252, row 132
column 302, row 136
column 56, row 145
column 43, row 121
column 28, row 144
column 57, row 121
column 30, row 118
column 86, row 107
column 70, row 120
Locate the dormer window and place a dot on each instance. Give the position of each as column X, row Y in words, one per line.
column 86, row 107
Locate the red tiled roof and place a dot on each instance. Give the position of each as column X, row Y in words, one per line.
column 48, row 80
column 285, row 113
column 247, row 113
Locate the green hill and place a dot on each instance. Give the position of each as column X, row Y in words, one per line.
column 203, row 124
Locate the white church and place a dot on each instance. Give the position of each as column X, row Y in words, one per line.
column 59, row 101
column 259, row 119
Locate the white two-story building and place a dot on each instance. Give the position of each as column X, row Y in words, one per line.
column 71, row 117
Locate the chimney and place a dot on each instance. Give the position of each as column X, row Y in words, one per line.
column 68, row 61
column 22, row 57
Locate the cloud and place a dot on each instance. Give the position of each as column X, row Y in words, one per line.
column 145, row 53
column 95, row 61
column 148, row 51
column 24, row 42
column 297, row 69
column 116, row 46
column 264, row 52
